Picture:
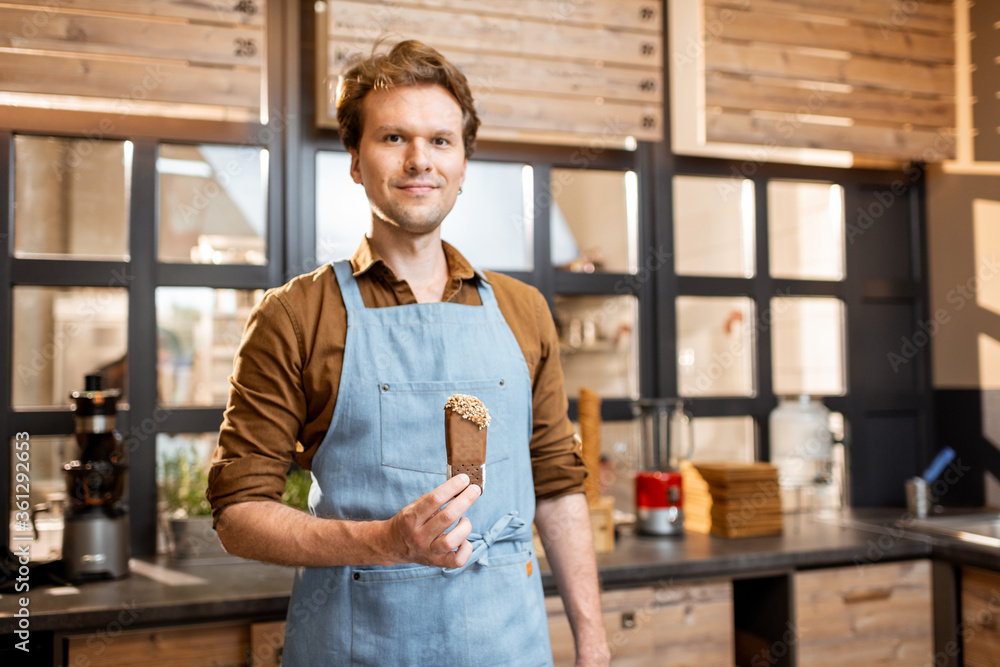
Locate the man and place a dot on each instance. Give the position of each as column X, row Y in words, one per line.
column 398, row 565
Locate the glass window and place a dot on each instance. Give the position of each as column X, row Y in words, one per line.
column 599, row 344
column 71, row 197
column 807, row 346
column 806, row 230
column 619, row 460
column 714, row 346
column 47, row 493
column 182, row 463
column 213, row 204
column 491, row 224
column 62, row 334
column 724, row 439
column 713, row 226
column 199, row 330
column 594, row 220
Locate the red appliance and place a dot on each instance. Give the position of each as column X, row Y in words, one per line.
column 666, row 438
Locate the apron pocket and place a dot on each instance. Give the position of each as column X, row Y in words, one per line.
column 506, row 605
column 407, row 616
column 411, row 408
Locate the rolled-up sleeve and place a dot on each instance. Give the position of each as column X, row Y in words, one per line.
column 556, row 461
column 265, row 412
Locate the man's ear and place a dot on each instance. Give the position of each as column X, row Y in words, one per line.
column 355, row 166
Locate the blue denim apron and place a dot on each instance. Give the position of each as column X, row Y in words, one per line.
column 384, row 449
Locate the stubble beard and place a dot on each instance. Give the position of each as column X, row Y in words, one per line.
column 409, row 221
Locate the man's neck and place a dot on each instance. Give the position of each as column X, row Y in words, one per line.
column 419, row 260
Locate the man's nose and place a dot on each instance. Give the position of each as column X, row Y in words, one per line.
column 418, row 156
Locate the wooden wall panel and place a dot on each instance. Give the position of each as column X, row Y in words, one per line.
column 874, row 77
column 984, row 21
column 179, row 58
column 544, row 70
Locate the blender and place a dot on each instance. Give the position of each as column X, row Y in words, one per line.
column 96, row 530
column 666, row 438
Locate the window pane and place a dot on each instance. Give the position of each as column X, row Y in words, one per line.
column 713, row 226
column 598, row 344
column 182, row 463
column 62, row 334
column 807, row 341
column 619, row 461
column 48, row 485
column 213, row 204
column 71, row 197
column 714, row 347
column 491, row 223
column 199, row 330
column 724, row 439
column 594, row 220
column 806, row 230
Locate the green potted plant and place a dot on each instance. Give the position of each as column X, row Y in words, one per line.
column 186, row 514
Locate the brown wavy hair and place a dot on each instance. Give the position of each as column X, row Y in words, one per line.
column 408, row 63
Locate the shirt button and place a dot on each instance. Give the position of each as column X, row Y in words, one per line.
column 385, row 387
column 357, row 575
column 501, row 383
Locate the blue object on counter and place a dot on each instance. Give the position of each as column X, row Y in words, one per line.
column 938, row 465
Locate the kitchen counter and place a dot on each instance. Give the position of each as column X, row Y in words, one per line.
column 160, row 593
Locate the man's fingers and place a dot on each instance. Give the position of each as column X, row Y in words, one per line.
column 454, row 538
column 431, row 502
column 457, row 558
column 453, row 511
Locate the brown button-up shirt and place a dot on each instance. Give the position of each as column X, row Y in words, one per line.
column 287, row 373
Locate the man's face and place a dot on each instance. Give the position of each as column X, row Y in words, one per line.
column 411, row 159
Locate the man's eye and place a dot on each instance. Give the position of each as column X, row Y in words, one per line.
column 441, row 141
column 393, row 138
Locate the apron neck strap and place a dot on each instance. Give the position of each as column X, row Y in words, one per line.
column 348, row 285
column 352, row 294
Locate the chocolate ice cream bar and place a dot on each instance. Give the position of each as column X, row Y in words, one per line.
column 465, row 423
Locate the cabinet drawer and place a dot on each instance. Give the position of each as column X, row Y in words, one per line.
column 872, row 615
column 218, row 645
column 980, row 623
column 688, row 624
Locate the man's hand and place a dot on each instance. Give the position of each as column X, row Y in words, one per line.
column 417, row 532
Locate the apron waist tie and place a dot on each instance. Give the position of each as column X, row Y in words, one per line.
column 508, row 528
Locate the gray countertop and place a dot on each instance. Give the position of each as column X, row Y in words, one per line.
column 159, row 593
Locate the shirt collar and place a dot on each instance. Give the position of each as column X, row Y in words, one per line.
column 365, row 258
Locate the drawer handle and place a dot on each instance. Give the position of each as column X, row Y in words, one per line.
column 867, row 595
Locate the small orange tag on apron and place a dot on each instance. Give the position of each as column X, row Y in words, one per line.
column 529, row 568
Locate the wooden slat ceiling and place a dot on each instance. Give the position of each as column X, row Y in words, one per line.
column 178, row 58
column 540, row 70
column 875, row 77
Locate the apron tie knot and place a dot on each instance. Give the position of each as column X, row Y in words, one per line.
column 507, row 528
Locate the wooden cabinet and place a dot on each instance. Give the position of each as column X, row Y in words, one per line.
column 980, row 629
column 670, row 624
column 879, row 614
column 235, row 644
column 215, row 645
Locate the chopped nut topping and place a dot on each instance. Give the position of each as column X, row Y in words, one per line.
column 471, row 408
